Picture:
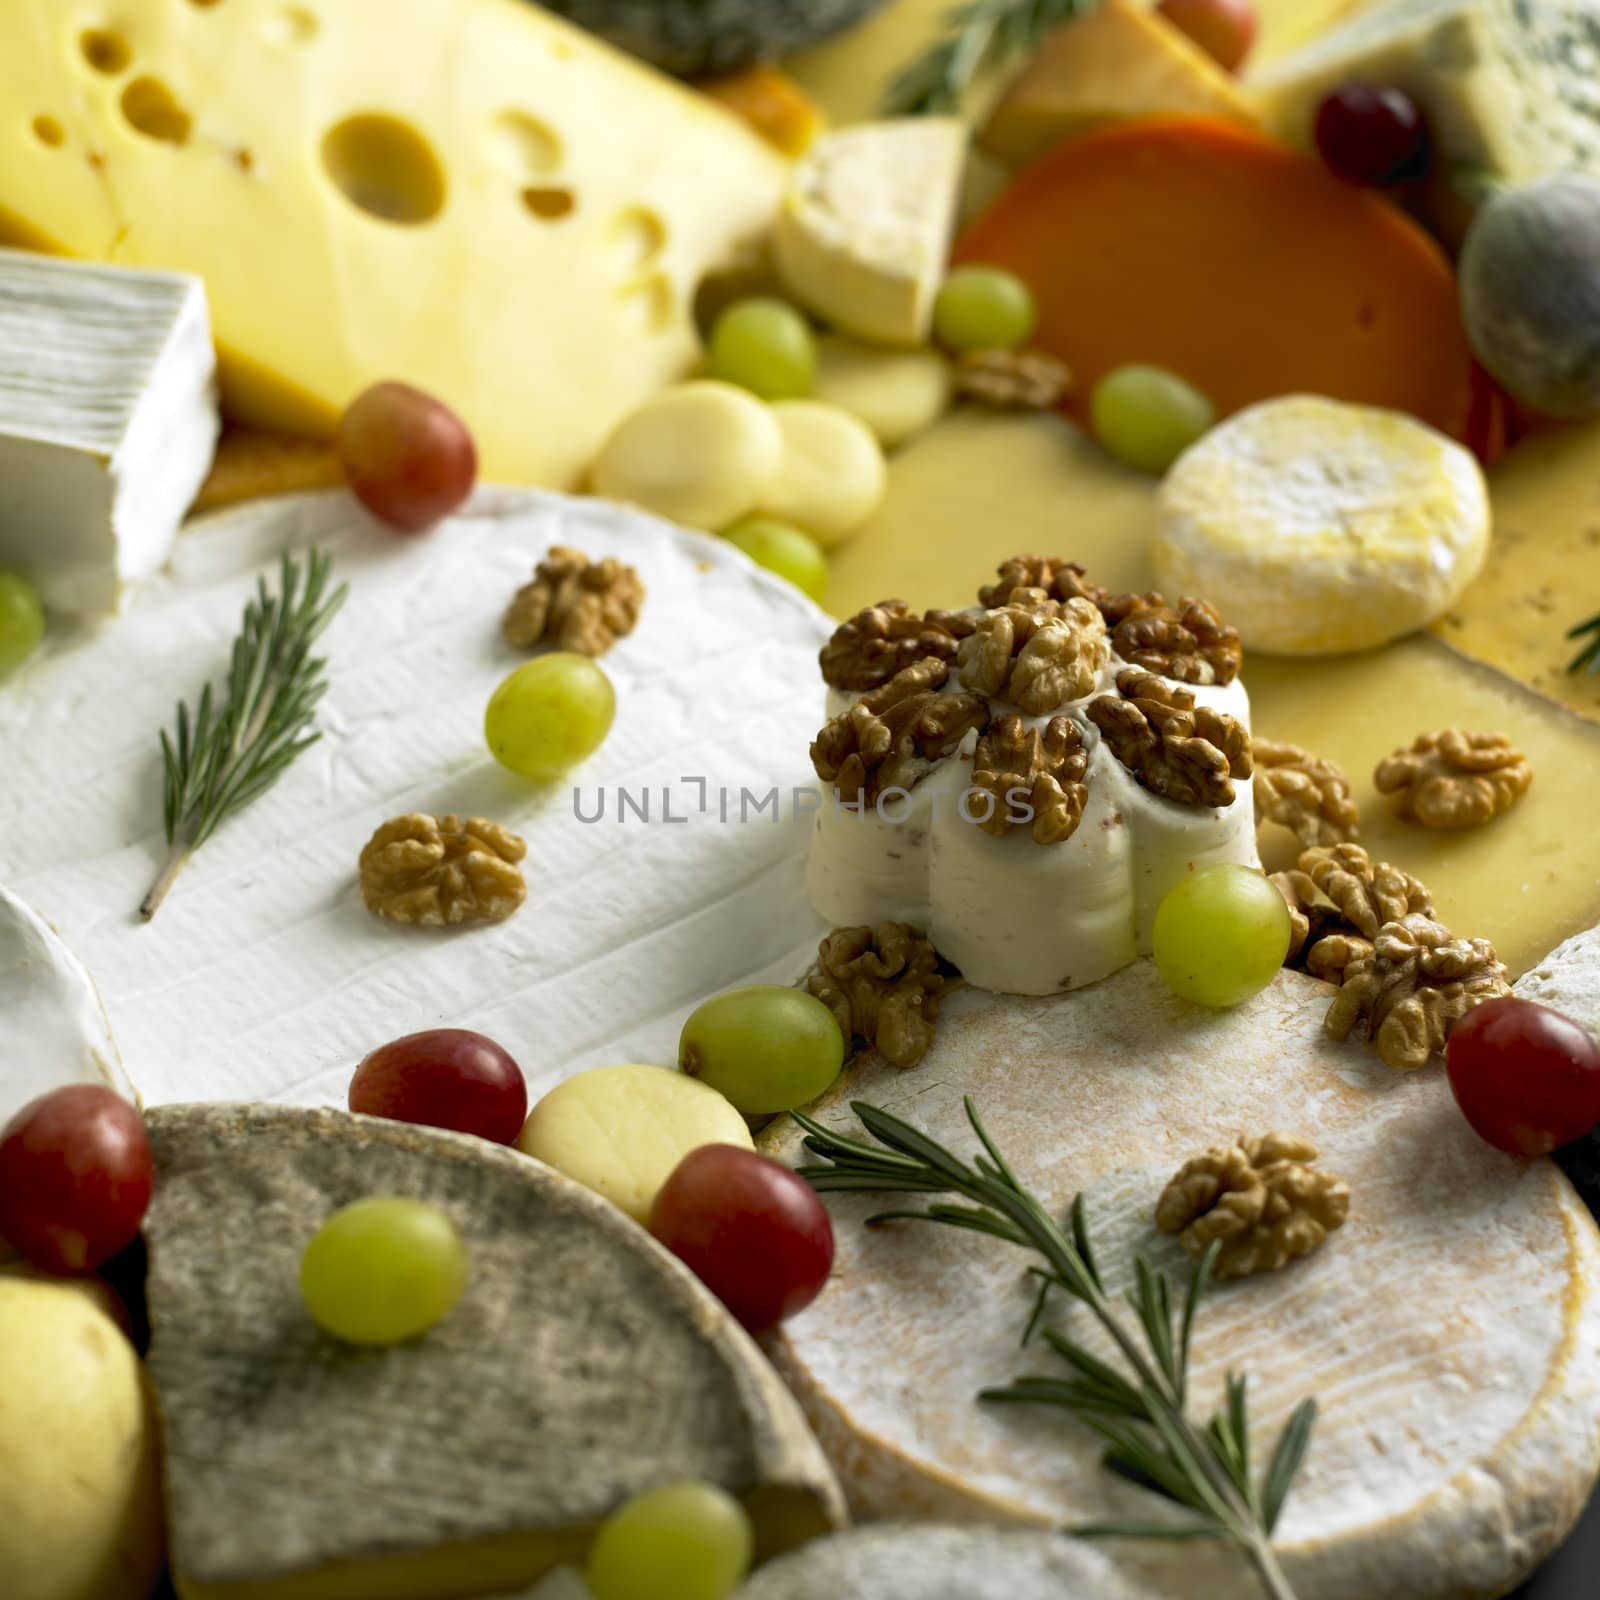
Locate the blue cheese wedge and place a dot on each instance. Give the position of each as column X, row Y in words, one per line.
column 1511, row 88
column 108, row 422
column 582, row 1365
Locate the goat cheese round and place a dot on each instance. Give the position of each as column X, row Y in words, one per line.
column 1328, row 527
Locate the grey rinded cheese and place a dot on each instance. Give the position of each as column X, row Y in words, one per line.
column 688, row 36
column 931, row 1562
column 583, row 1364
column 108, row 419
column 1511, row 88
column 1450, row 1330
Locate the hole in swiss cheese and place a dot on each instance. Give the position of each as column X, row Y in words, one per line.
column 548, row 204
column 150, row 106
column 384, row 167
column 104, row 50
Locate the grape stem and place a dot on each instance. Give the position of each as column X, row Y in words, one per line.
column 216, row 762
column 1141, row 1415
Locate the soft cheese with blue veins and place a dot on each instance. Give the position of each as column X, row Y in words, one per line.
column 1025, row 780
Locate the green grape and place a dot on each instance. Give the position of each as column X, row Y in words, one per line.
column 983, row 308
column 21, row 621
column 765, row 1048
column 1147, row 417
column 383, row 1270
column 783, row 549
column 683, row 1541
column 1221, row 934
column 550, row 714
column 766, row 347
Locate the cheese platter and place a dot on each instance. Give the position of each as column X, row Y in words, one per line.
column 846, row 848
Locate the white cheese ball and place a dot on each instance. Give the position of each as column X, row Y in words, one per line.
column 80, row 1479
column 621, row 1130
column 700, row 454
column 832, row 476
column 897, row 393
column 1319, row 527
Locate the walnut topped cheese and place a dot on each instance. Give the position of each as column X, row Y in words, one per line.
column 575, row 603
column 1455, row 779
column 1027, row 779
column 436, row 872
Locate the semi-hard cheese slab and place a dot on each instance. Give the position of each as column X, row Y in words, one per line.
column 582, row 1365
column 473, row 196
column 263, row 976
column 1450, row 1331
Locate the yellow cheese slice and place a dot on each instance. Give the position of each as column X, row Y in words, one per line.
column 1120, row 60
column 472, row 196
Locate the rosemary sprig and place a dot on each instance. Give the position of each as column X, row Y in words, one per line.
column 978, row 34
column 217, row 761
column 1139, row 1414
column 1588, row 656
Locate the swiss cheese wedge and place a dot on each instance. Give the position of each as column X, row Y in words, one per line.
column 472, row 196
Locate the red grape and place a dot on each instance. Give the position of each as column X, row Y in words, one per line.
column 752, row 1231
column 1525, row 1077
column 75, row 1178
column 1224, row 29
column 409, row 458
column 445, row 1078
column 1372, row 135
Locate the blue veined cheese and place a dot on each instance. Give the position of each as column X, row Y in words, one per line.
column 1511, row 88
column 108, row 422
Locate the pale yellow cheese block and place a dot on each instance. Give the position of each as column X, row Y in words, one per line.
column 473, row 196
column 1450, row 1331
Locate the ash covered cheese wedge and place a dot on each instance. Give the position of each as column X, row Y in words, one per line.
column 864, row 232
column 1329, row 527
column 668, row 867
column 493, row 205
column 108, row 420
column 1510, row 88
column 582, row 1365
column 1450, row 1330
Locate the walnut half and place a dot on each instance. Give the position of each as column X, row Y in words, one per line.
column 1035, row 653
column 1060, row 580
column 1175, row 748
column 1187, row 641
column 1048, row 767
column 884, row 986
column 1261, row 1197
column 435, row 872
column 1303, row 793
column 575, row 603
column 893, row 737
column 1455, row 779
column 884, row 639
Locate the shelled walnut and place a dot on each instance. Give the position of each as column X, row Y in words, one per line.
column 884, row 986
column 1060, row 580
column 1174, row 748
column 1455, row 779
column 1411, row 991
column 435, row 872
column 892, row 738
column 1303, row 793
column 1034, row 652
column 575, row 603
column 1013, row 380
column 1365, row 893
column 1187, row 641
column 1048, row 767
column 1261, row 1197
column 881, row 640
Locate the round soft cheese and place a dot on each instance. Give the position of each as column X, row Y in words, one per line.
column 1327, row 527
column 1449, row 1331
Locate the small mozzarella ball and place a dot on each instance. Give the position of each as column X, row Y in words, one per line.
column 700, row 454
column 832, row 475
column 622, row 1130
column 897, row 393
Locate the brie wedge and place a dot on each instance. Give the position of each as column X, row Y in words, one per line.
column 1450, row 1331
column 263, row 976
column 582, row 1365
column 108, row 420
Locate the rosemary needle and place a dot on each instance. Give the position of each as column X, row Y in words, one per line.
column 1139, row 1413
column 1588, row 657
column 218, row 759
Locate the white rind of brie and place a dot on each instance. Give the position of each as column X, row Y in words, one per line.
column 263, row 977
column 108, row 422
column 1015, row 916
